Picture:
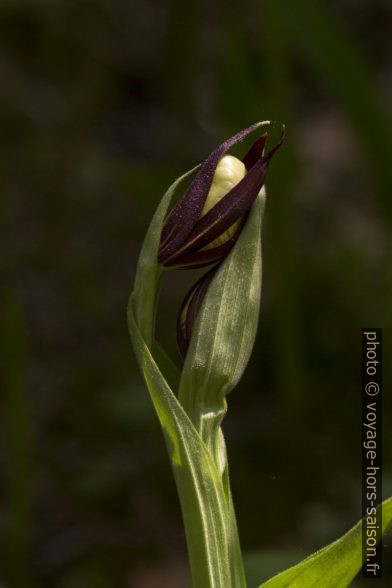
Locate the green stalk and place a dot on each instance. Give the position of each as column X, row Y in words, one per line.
column 207, row 421
column 206, row 557
column 211, row 433
column 208, row 546
column 199, row 483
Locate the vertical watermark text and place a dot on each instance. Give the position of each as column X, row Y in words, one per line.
column 371, row 452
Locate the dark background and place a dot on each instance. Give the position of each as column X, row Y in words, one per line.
column 102, row 104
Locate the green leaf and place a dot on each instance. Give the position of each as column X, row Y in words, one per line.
column 224, row 331
column 148, row 270
column 334, row 566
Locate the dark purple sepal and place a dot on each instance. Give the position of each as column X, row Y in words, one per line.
column 203, row 257
column 182, row 218
column 227, row 211
column 192, row 303
column 255, row 152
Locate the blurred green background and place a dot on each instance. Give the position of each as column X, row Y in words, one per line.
column 102, row 104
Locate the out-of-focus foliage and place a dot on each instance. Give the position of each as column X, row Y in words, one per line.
column 102, row 104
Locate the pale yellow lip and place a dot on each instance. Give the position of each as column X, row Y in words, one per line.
column 229, row 172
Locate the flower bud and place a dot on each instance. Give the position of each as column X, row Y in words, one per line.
column 204, row 225
column 189, row 310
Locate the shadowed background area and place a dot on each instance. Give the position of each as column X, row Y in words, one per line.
column 102, row 104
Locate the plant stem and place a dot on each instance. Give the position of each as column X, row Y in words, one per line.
column 208, row 424
column 215, row 558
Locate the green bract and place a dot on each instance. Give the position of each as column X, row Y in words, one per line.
column 225, row 329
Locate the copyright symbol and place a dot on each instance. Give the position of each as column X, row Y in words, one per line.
column 372, row 388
